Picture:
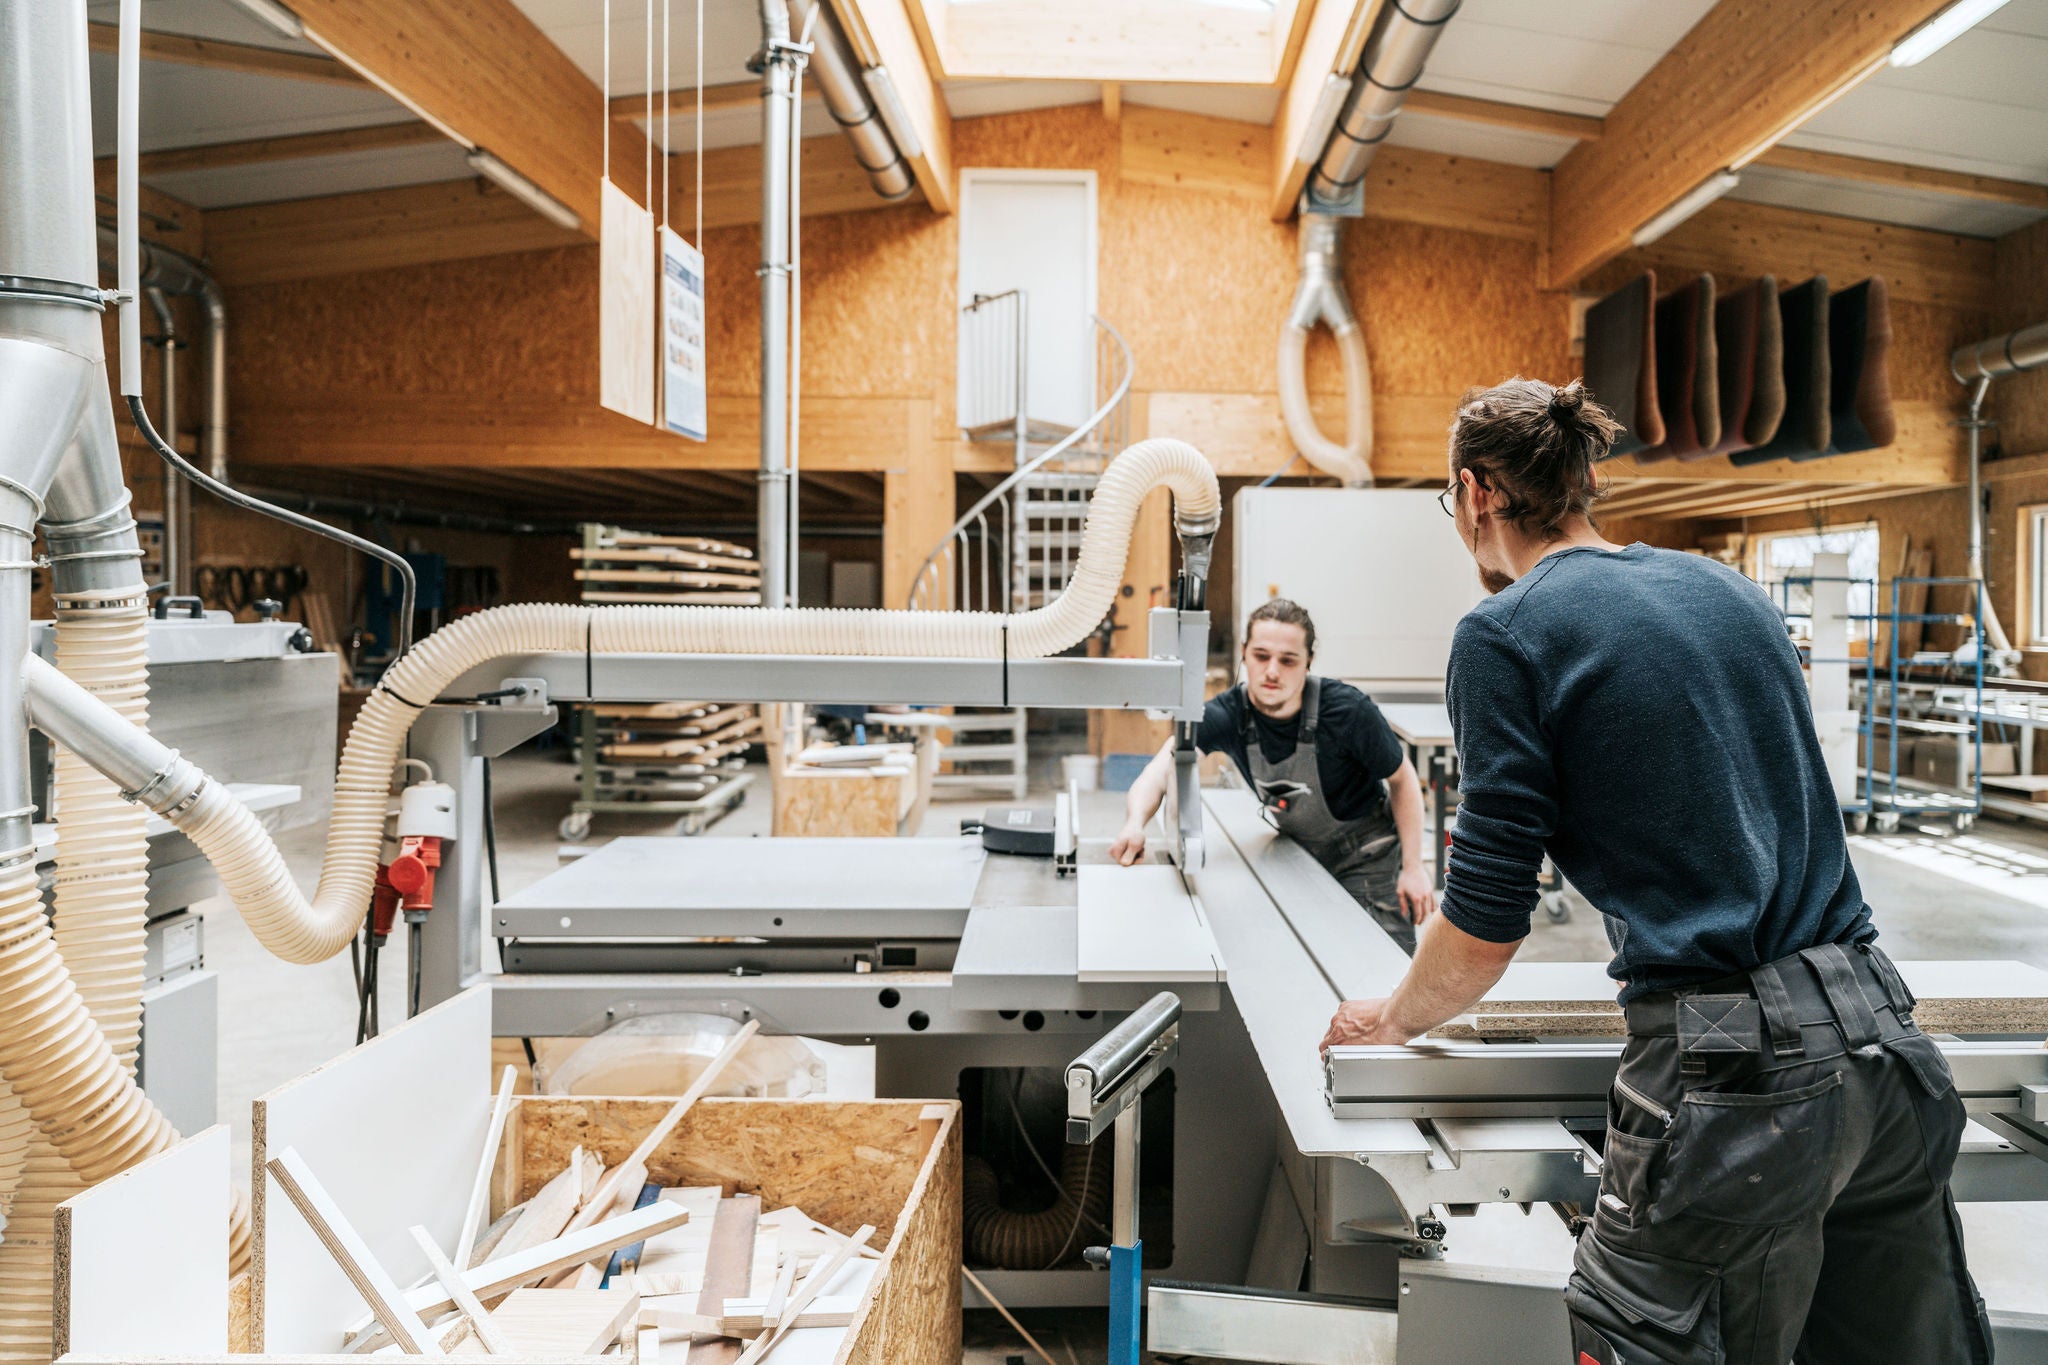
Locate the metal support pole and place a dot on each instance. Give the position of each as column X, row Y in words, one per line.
column 1974, row 424
column 778, row 111
column 1127, row 1253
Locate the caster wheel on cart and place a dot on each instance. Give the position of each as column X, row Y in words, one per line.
column 1859, row 822
column 693, row 824
column 575, row 826
column 1964, row 822
column 1557, row 907
column 1887, row 822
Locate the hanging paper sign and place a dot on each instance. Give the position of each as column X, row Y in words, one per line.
column 684, row 408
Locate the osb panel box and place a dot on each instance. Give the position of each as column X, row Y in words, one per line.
column 894, row 1164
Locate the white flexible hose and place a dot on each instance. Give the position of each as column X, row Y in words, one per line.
column 285, row 922
column 1319, row 298
column 1352, row 460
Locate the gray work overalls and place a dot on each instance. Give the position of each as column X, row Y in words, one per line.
column 1364, row 855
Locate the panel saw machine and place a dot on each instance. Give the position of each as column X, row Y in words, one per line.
column 1398, row 1204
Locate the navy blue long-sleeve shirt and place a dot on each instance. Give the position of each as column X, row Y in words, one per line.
column 1641, row 716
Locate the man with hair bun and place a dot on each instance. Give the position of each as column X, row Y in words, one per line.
column 1328, row 769
column 1780, row 1134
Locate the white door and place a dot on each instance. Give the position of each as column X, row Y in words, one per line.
column 1035, row 231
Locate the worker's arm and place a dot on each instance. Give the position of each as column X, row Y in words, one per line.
column 1141, row 804
column 1451, row 971
column 1416, row 888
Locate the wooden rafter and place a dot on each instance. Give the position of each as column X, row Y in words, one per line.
column 1747, row 74
column 487, row 73
column 682, row 102
column 302, row 147
column 1894, row 175
column 1497, row 114
column 1833, row 165
column 219, row 56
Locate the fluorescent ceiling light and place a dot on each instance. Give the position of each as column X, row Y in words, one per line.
column 1697, row 198
column 276, row 16
column 1943, row 29
column 518, row 186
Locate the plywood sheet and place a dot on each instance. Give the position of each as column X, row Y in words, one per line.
column 626, row 304
column 142, row 1258
column 393, row 1128
column 1141, row 924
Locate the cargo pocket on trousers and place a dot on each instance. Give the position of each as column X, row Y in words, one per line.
column 1751, row 1159
column 1628, row 1165
column 1939, row 1107
column 1645, row 1307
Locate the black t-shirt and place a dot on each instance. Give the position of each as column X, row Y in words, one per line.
column 1356, row 749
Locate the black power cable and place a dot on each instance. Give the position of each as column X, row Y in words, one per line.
column 410, row 585
column 490, row 833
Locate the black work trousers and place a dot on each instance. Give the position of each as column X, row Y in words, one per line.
column 1776, row 1180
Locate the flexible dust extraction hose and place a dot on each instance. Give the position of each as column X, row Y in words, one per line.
column 101, row 909
column 303, row 931
column 1320, row 297
column 1008, row 1240
column 102, row 879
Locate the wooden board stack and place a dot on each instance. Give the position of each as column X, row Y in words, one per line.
column 678, row 757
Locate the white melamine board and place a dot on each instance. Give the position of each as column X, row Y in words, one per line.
column 142, row 1258
column 1337, row 551
column 393, row 1129
column 1140, row 924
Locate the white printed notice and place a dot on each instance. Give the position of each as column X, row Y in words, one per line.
column 682, row 337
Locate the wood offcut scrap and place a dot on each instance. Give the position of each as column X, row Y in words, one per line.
column 1577, row 1000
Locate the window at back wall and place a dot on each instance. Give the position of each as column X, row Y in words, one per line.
column 1788, row 555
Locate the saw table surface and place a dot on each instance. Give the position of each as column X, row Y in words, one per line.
column 779, row 888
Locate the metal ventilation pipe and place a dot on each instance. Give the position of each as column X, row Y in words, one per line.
column 863, row 102
column 1977, row 365
column 1401, row 41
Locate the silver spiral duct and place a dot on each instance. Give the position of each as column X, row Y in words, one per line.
column 1995, row 357
column 1401, row 41
column 847, row 89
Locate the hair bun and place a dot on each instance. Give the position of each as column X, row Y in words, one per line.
column 1567, row 403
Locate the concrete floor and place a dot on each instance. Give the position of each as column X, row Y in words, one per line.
column 1935, row 895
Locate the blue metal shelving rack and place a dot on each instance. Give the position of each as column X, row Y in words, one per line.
column 1858, row 812
column 1894, row 802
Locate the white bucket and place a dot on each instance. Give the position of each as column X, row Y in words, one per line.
column 1081, row 770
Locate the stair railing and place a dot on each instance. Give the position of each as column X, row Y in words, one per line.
column 975, row 560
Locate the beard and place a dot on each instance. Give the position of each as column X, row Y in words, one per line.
column 1493, row 580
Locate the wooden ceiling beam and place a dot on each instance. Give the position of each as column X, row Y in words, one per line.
column 1857, row 169
column 213, row 156
column 1897, row 176
column 682, row 102
column 485, row 72
column 1521, row 118
column 1330, row 48
column 215, row 55
column 884, row 33
column 1748, row 73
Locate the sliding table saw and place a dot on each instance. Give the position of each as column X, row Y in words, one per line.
column 1396, row 1204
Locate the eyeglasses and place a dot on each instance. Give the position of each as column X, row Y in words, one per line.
column 1445, row 498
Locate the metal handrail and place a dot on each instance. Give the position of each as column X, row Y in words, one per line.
column 976, row 515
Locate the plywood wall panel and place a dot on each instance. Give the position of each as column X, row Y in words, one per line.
column 2020, row 402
